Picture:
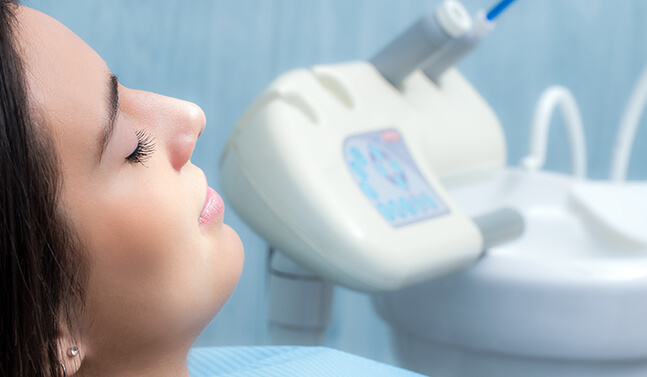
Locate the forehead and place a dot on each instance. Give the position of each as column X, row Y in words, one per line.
column 66, row 80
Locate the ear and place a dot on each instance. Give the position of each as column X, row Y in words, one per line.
column 70, row 353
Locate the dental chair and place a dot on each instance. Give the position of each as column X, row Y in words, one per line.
column 389, row 177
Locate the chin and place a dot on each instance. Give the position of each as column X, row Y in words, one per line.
column 235, row 249
column 231, row 256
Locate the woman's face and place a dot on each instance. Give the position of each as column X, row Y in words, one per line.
column 161, row 267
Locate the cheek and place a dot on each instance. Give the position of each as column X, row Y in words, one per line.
column 145, row 233
column 146, row 254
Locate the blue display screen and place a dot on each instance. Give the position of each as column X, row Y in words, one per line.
column 384, row 171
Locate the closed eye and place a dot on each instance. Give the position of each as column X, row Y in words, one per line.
column 144, row 150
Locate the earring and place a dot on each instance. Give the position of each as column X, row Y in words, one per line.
column 64, row 371
column 73, row 351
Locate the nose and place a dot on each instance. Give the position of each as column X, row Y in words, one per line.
column 182, row 132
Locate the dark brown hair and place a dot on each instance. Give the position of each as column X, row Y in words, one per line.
column 41, row 261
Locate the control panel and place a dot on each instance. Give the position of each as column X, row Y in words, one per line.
column 383, row 169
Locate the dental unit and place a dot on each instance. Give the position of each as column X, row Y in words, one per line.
column 388, row 177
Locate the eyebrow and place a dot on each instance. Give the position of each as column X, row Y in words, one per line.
column 112, row 104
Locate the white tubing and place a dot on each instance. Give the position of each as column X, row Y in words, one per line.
column 627, row 129
column 552, row 97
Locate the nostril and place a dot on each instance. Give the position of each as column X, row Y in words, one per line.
column 180, row 149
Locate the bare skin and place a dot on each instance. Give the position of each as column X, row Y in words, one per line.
column 158, row 276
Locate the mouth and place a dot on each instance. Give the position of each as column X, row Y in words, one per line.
column 213, row 210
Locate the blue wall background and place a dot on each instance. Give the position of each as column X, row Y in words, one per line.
column 221, row 54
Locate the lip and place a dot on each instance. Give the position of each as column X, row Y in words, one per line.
column 214, row 208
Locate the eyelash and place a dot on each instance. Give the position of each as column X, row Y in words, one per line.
column 144, row 150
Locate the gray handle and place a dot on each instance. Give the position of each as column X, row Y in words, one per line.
column 449, row 56
column 410, row 49
column 500, row 226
